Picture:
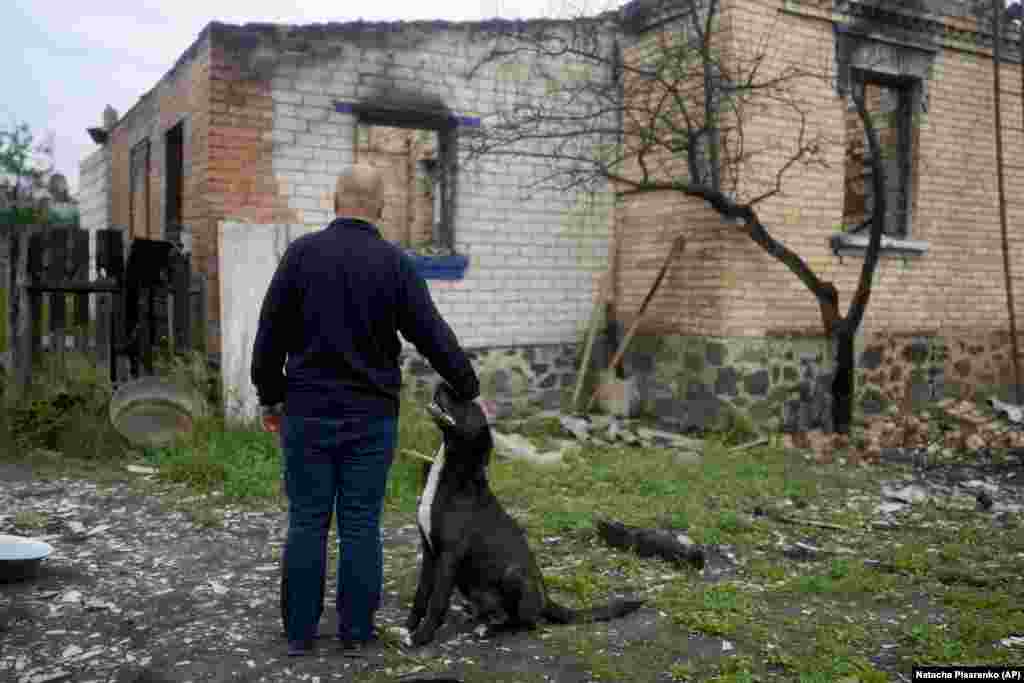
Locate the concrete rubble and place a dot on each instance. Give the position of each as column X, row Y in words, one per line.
column 590, row 431
column 952, row 426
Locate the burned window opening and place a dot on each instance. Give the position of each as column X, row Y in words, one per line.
column 174, row 159
column 890, row 104
column 416, row 151
column 138, row 190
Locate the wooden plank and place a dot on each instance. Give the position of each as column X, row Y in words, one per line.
column 20, row 309
column 181, row 277
column 103, row 306
column 678, row 244
column 76, row 286
column 146, row 331
column 15, row 311
column 200, row 325
column 117, row 332
column 80, row 259
column 36, row 247
column 57, row 245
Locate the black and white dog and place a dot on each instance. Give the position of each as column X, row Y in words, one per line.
column 471, row 543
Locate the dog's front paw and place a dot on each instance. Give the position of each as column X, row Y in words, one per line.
column 421, row 636
column 412, row 622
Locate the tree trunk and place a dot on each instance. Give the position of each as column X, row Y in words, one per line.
column 843, row 382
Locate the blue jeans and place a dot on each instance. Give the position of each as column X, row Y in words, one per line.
column 341, row 464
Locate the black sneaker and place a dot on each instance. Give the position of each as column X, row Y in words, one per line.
column 358, row 648
column 300, row 648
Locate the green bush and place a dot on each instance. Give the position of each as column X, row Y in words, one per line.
column 65, row 409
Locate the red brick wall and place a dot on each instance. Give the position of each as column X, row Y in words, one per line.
column 240, row 180
column 955, row 205
column 183, row 94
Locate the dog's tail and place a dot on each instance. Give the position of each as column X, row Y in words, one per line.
column 563, row 615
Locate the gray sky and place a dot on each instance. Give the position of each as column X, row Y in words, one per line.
column 63, row 61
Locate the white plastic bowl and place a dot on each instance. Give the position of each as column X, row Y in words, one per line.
column 20, row 557
column 23, row 548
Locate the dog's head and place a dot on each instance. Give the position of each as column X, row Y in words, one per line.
column 463, row 423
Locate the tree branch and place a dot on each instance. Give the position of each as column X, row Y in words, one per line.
column 859, row 302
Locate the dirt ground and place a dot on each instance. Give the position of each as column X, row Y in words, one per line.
column 137, row 592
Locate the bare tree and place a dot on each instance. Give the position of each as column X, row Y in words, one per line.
column 21, row 158
column 672, row 119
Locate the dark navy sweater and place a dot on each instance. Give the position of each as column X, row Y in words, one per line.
column 334, row 307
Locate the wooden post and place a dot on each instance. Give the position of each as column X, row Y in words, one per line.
column 181, row 276
column 20, row 310
column 16, row 308
column 146, row 331
column 103, row 307
column 80, row 258
column 202, row 335
column 36, row 246
column 57, row 244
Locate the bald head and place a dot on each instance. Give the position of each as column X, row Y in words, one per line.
column 359, row 193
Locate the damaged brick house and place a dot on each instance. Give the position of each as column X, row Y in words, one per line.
column 236, row 150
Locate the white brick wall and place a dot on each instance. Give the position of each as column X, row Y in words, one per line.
column 534, row 257
column 94, row 199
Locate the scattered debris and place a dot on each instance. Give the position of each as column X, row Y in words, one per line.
column 950, row 426
column 139, row 469
column 908, row 494
column 801, row 551
column 750, row 444
column 518, row 447
column 578, row 427
column 687, row 458
column 604, row 430
column 780, row 517
column 1011, row 412
column 1012, row 641
column 52, row 677
column 677, row 548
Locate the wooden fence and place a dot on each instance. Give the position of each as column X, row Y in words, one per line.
column 153, row 299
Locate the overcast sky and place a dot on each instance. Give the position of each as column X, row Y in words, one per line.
column 63, row 61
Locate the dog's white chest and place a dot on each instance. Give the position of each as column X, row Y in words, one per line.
column 429, row 491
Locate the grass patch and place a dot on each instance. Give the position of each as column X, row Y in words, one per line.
column 718, row 610
column 30, row 520
column 543, row 432
column 241, row 463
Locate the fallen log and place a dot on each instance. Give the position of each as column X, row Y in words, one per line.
column 651, row 543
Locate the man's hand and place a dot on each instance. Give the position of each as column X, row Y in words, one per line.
column 489, row 407
column 271, row 417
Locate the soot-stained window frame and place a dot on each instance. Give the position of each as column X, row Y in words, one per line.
column 904, row 89
column 446, row 125
column 864, row 47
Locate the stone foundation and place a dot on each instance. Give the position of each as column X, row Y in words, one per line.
column 519, row 379
column 712, row 382
column 773, row 383
column 912, row 370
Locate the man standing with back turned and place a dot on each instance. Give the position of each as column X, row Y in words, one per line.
column 334, row 307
